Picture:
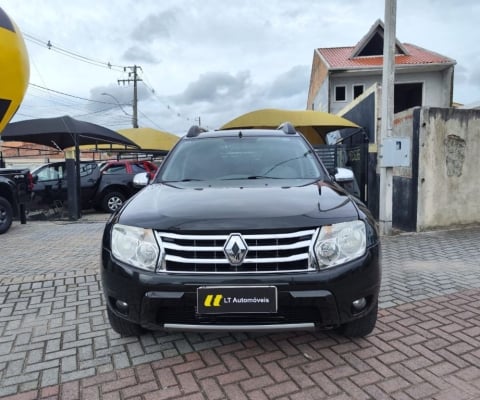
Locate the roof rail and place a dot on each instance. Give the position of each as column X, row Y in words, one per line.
column 288, row 128
column 195, row 130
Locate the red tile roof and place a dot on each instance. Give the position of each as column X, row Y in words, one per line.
column 339, row 57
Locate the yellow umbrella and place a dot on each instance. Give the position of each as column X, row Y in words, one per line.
column 145, row 138
column 313, row 124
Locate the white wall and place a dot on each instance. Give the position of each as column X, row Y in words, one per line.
column 436, row 88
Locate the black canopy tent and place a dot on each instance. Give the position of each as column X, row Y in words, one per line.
column 62, row 133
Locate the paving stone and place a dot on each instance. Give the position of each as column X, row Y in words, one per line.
column 54, row 330
column 42, row 366
column 50, row 377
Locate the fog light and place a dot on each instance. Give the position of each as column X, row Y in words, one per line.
column 359, row 304
column 122, row 306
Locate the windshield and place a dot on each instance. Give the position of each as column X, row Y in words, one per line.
column 241, row 158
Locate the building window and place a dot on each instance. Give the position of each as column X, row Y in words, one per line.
column 407, row 95
column 357, row 90
column 340, row 93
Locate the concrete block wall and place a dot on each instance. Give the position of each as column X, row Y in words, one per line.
column 441, row 187
column 449, row 168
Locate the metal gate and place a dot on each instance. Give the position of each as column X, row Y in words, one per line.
column 349, row 152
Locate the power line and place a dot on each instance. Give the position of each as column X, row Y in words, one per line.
column 59, row 92
column 153, row 122
column 76, row 56
column 73, row 96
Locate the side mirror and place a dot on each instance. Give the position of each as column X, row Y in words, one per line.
column 346, row 179
column 344, row 175
column 140, row 179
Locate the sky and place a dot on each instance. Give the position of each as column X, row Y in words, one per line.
column 210, row 61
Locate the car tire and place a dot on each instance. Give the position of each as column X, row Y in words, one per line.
column 360, row 327
column 122, row 326
column 113, row 201
column 6, row 215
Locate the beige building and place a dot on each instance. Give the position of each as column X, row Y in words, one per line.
column 341, row 74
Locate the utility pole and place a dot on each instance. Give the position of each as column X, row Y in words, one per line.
column 133, row 77
column 388, row 82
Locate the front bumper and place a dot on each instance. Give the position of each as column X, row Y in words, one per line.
column 310, row 300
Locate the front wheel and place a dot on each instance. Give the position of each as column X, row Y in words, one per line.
column 122, row 326
column 6, row 215
column 360, row 327
column 113, row 201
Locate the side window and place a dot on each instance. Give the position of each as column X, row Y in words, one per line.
column 115, row 169
column 357, row 90
column 62, row 171
column 49, row 173
column 340, row 93
column 137, row 168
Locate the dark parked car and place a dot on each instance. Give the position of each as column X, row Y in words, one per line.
column 50, row 183
column 241, row 230
column 104, row 187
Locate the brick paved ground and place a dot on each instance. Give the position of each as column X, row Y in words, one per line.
column 55, row 341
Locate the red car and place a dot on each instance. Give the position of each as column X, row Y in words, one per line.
column 116, row 184
column 128, row 167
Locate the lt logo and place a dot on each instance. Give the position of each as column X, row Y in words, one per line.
column 213, row 300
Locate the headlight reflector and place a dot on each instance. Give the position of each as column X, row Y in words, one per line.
column 135, row 246
column 338, row 243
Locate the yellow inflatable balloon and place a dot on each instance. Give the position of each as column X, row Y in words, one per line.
column 14, row 69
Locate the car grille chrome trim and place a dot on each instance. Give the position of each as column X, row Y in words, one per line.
column 296, row 245
column 247, row 260
column 267, row 253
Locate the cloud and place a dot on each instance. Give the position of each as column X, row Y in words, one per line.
column 138, row 54
column 219, row 97
column 155, row 26
column 115, row 96
column 213, row 86
column 291, row 83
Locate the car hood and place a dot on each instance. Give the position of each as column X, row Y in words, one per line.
column 247, row 205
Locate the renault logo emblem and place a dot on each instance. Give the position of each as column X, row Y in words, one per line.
column 235, row 249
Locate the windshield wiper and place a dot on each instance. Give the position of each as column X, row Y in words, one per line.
column 183, row 180
column 263, row 177
column 239, row 178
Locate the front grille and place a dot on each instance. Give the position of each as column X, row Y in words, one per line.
column 267, row 253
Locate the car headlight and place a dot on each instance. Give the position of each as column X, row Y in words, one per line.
column 338, row 243
column 135, row 246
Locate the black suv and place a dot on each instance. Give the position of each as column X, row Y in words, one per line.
column 241, row 230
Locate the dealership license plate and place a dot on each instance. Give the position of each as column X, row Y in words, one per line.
column 236, row 299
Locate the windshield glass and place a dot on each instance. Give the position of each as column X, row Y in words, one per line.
column 241, row 158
